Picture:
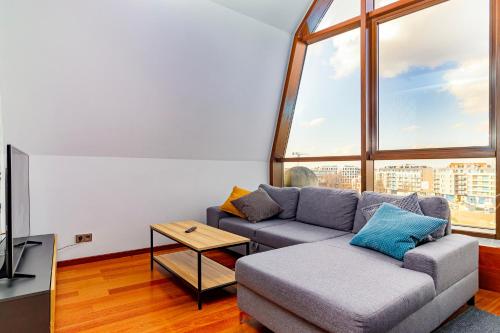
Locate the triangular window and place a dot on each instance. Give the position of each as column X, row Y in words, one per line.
column 339, row 11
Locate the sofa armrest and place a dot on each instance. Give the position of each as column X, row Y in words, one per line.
column 214, row 214
column 447, row 260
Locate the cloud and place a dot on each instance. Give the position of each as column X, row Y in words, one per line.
column 458, row 125
column 345, row 59
column 428, row 39
column 315, row 50
column 470, row 84
column 411, row 128
column 431, row 37
column 313, row 123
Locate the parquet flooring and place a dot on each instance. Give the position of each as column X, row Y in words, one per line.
column 123, row 295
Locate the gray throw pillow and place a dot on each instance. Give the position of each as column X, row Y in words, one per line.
column 409, row 203
column 286, row 197
column 431, row 206
column 257, row 206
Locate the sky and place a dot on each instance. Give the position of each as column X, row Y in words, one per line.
column 433, row 83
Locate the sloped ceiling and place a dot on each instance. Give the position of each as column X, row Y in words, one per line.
column 282, row 14
column 194, row 79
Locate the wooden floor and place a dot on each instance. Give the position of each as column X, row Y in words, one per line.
column 122, row 295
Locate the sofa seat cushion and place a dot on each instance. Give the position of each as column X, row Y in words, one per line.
column 336, row 288
column 214, row 214
column 293, row 233
column 245, row 228
column 343, row 242
column 325, row 207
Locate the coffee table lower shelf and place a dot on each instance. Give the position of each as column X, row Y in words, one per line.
column 184, row 265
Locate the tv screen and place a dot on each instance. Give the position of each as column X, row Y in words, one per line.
column 17, row 207
column 19, row 195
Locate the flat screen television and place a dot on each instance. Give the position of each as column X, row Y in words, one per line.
column 17, row 211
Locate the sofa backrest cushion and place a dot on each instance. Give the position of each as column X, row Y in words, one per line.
column 437, row 207
column 328, row 208
column 286, row 197
column 431, row 206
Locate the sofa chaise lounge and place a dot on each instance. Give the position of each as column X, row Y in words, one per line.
column 306, row 277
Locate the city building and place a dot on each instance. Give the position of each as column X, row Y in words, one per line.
column 342, row 177
column 400, row 179
column 470, row 184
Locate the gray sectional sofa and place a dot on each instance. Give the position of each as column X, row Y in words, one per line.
column 304, row 276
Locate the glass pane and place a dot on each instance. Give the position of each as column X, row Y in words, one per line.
column 382, row 3
column 327, row 119
column 467, row 184
column 339, row 11
column 434, row 77
column 341, row 175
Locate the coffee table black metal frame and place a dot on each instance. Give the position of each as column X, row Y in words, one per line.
column 199, row 291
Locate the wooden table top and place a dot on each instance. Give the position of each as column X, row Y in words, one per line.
column 203, row 238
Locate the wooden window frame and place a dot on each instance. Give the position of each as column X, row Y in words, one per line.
column 442, row 152
column 368, row 21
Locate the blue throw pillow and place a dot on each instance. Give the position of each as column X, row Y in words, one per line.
column 394, row 231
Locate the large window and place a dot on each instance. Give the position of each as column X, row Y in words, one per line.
column 397, row 97
column 327, row 119
column 434, row 90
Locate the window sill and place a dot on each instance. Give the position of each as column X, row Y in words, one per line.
column 486, row 234
column 489, row 242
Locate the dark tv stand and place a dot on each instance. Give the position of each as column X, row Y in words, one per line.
column 18, row 275
column 27, row 302
column 30, row 242
column 22, row 275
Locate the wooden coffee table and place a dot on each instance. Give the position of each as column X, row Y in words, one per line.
column 201, row 273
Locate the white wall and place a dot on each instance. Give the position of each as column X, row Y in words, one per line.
column 164, row 94
column 187, row 79
column 118, row 198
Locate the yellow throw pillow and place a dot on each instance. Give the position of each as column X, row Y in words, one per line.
column 236, row 194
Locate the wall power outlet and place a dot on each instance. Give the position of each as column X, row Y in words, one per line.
column 83, row 238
